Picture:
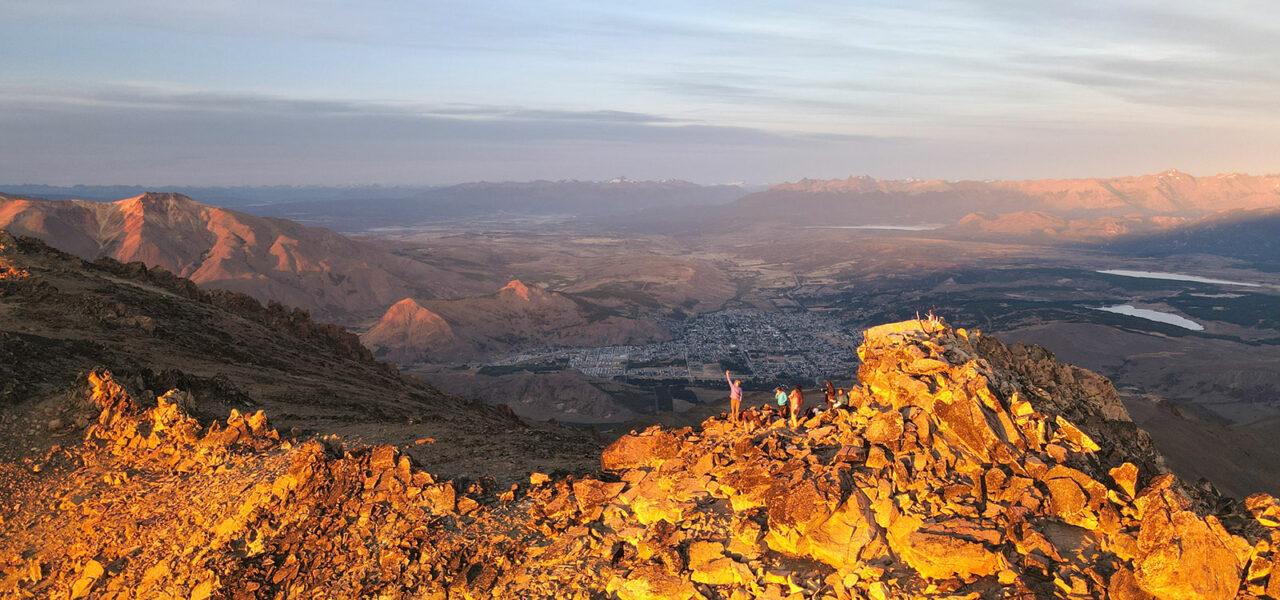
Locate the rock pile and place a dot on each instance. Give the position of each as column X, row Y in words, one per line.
column 954, row 474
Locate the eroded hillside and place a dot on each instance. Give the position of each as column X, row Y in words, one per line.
column 963, row 469
column 269, row 259
column 517, row 317
column 61, row 317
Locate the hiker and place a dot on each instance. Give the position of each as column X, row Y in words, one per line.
column 796, row 400
column 735, row 395
column 831, row 395
column 841, row 399
column 780, row 395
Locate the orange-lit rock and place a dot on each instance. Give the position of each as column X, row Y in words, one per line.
column 940, row 484
column 647, row 449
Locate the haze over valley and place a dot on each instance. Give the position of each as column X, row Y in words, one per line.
column 634, row 306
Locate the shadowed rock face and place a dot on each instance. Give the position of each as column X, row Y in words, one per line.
column 952, row 475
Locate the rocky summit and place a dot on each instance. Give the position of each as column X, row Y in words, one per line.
column 962, row 468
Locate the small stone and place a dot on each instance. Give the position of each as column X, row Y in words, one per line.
column 1126, row 476
column 89, row 577
column 886, row 427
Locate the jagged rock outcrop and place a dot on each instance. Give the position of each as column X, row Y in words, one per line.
column 950, row 476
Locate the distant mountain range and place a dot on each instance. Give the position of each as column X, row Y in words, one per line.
column 1080, row 208
column 225, row 196
column 508, row 199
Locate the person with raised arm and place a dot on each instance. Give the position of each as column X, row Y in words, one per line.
column 735, row 395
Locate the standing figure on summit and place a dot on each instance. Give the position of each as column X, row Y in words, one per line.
column 735, row 395
column 831, row 395
column 796, row 400
column 780, row 395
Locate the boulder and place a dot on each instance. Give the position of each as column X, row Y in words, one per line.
column 884, row 428
column 945, row 549
column 708, row 564
column 1181, row 555
column 647, row 449
column 652, row 582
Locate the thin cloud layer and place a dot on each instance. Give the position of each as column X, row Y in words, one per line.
column 119, row 136
column 443, row 91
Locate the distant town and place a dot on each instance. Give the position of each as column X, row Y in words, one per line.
column 761, row 348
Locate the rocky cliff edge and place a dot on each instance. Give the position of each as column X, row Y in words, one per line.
column 964, row 469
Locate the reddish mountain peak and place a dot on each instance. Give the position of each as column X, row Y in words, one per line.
column 406, row 331
column 517, row 287
column 152, row 203
column 410, row 312
column 409, row 318
column 408, row 306
column 158, row 200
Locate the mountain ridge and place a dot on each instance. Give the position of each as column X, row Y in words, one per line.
column 508, row 199
column 866, row 200
column 270, row 259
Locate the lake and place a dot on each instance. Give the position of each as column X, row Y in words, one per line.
column 1152, row 315
column 1174, row 277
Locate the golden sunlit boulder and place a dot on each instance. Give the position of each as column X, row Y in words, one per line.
column 947, row 548
column 647, row 449
column 1180, row 554
column 653, row 583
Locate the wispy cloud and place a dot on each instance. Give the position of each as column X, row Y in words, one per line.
column 150, row 98
column 130, row 133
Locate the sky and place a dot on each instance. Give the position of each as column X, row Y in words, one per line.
column 323, row 92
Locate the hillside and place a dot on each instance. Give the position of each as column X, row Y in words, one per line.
column 963, row 470
column 516, row 317
column 270, row 259
column 1246, row 235
column 61, row 318
column 1032, row 225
